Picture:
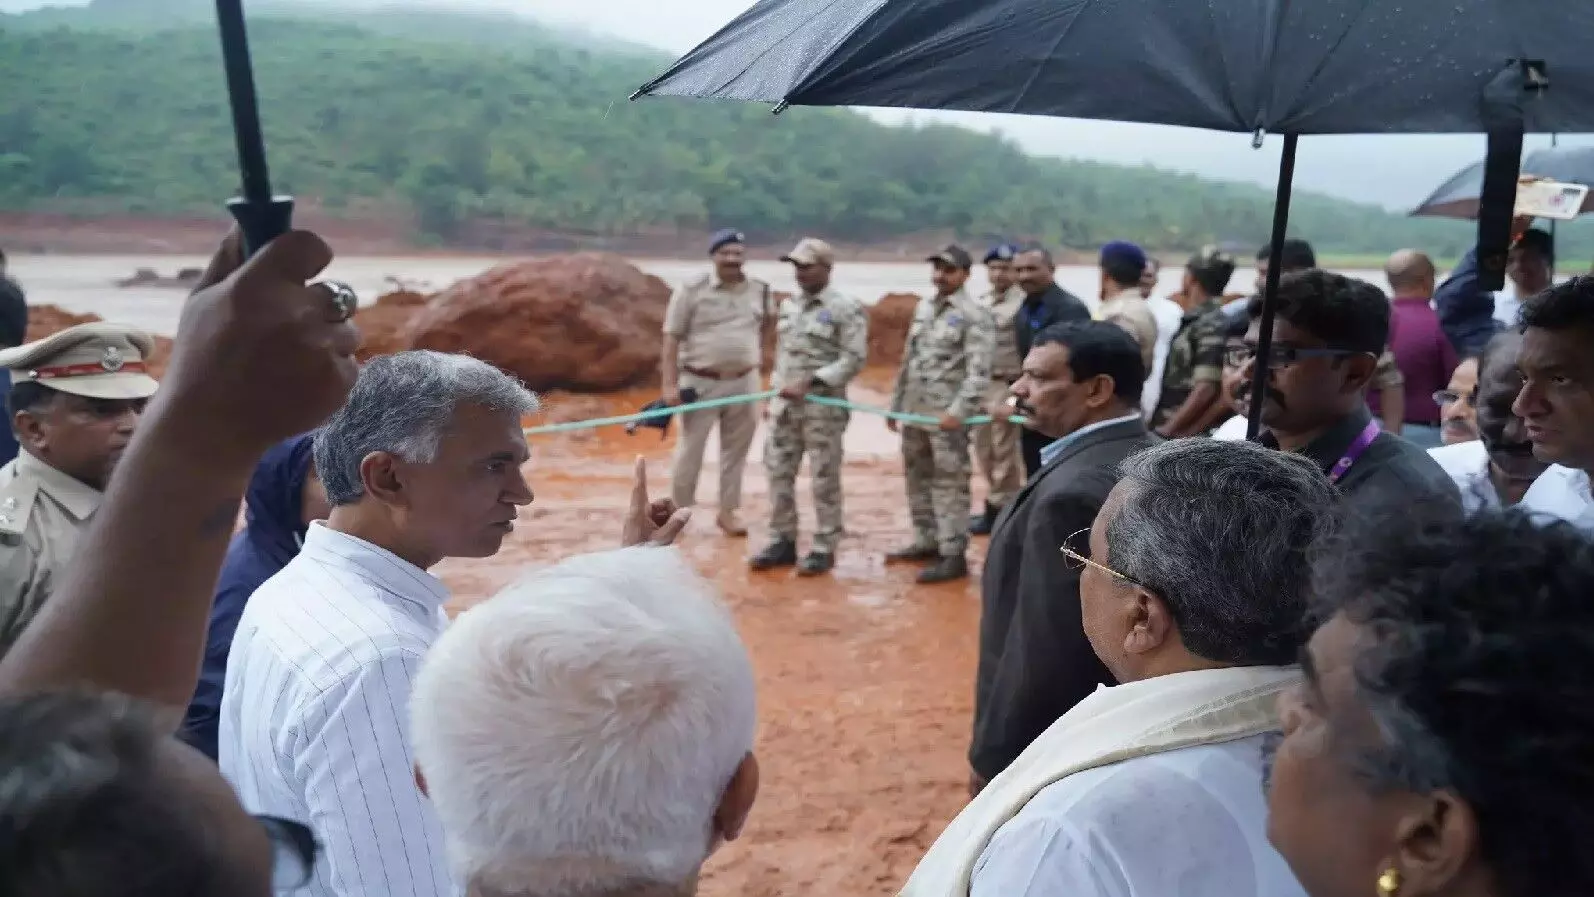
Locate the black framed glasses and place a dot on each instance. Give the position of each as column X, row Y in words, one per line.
column 1283, row 356
column 294, row 850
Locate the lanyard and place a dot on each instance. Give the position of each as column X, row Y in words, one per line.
column 1353, row 452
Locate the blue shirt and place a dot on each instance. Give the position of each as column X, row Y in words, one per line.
column 1050, row 452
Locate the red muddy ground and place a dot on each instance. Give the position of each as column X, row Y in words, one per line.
column 864, row 678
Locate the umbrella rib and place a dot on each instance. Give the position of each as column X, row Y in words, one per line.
column 1324, row 60
column 1029, row 82
column 807, row 78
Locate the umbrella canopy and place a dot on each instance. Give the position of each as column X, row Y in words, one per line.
column 1458, row 196
column 1281, row 66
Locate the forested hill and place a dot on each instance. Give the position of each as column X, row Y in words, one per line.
column 454, row 118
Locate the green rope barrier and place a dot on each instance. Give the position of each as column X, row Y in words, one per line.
column 922, row 419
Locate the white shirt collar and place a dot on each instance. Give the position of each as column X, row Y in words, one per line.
column 389, row 571
column 1562, row 492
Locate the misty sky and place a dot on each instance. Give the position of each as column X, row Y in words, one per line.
column 1396, row 172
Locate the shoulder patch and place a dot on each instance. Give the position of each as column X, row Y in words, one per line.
column 16, row 505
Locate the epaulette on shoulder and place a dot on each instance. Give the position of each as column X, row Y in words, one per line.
column 16, row 505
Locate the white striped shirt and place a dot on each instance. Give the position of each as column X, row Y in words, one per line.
column 314, row 715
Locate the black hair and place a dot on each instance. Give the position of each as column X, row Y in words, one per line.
column 13, row 313
column 1540, row 241
column 1294, row 255
column 1564, row 306
column 1479, row 669
column 87, row 810
column 1122, row 271
column 1501, row 348
column 26, row 395
column 1212, row 279
column 1343, row 312
column 1096, row 348
column 1046, row 255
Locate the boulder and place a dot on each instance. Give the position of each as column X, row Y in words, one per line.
column 586, row 322
column 44, row 320
column 383, row 324
column 889, row 320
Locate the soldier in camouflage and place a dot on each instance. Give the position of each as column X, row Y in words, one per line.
column 823, row 337
column 996, row 444
column 1191, row 399
column 946, row 370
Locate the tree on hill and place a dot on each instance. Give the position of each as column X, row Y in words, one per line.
column 399, row 115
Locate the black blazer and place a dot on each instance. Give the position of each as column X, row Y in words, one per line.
column 1035, row 662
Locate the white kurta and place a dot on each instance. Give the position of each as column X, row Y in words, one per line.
column 1190, row 822
column 315, row 713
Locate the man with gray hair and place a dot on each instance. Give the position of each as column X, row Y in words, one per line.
column 422, row 463
column 1193, row 588
column 588, row 732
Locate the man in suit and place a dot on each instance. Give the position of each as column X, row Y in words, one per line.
column 1045, row 303
column 1080, row 387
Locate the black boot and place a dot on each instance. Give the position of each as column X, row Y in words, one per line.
column 780, row 553
column 913, row 553
column 946, row 569
column 815, row 563
column 982, row 524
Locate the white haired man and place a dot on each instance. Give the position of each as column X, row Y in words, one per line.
column 421, row 463
column 588, row 731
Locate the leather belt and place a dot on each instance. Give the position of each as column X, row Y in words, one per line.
column 716, row 375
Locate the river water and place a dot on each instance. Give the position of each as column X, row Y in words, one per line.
column 87, row 283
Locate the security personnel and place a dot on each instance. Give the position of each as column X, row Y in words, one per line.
column 713, row 337
column 823, row 340
column 946, row 370
column 996, row 445
column 1193, row 373
column 75, row 399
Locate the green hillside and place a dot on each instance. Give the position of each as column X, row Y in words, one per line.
column 449, row 118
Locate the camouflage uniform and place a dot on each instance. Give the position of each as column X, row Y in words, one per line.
column 996, row 444
column 946, row 369
column 1195, row 356
column 824, row 336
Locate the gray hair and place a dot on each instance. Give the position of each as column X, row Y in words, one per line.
column 403, row 404
column 1223, row 533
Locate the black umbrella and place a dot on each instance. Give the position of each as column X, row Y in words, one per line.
column 261, row 215
column 1458, row 197
column 1254, row 66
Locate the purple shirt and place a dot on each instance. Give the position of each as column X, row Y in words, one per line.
column 1424, row 355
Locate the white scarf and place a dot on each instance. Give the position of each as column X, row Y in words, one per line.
column 1151, row 716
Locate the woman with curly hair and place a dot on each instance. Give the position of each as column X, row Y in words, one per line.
column 1443, row 740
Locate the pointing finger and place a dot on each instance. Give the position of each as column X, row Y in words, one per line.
column 639, row 488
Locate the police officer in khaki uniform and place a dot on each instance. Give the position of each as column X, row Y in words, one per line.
column 996, row 444
column 946, row 369
column 75, row 399
column 713, row 337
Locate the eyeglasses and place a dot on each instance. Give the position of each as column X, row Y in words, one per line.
column 1078, row 561
column 1283, row 356
column 293, row 852
column 1448, row 397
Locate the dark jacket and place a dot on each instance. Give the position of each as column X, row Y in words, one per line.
column 275, row 531
column 1035, row 662
column 1466, row 312
column 1391, row 471
column 1054, row 306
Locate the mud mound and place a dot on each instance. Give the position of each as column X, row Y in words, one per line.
column 383, row 323
column 44, row 320
column 586, row 322
column 888, row 327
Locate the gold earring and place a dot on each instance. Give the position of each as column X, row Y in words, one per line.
column 1389, row 883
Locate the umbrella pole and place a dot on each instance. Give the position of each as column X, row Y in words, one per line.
column 261, row 216
column 1264, row 340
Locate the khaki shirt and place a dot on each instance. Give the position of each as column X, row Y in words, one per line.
column 1133, row 314
column 824, row 336
column 718, row 324
column 946, row 364
column 1006, row 364
column 43, row 512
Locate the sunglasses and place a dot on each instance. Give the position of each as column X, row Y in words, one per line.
column 1282, row 356
column 294, row 850
column 1078, row 561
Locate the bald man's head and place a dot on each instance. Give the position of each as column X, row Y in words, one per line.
column 1411, row 273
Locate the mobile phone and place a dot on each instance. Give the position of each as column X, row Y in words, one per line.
column 1550, row 199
